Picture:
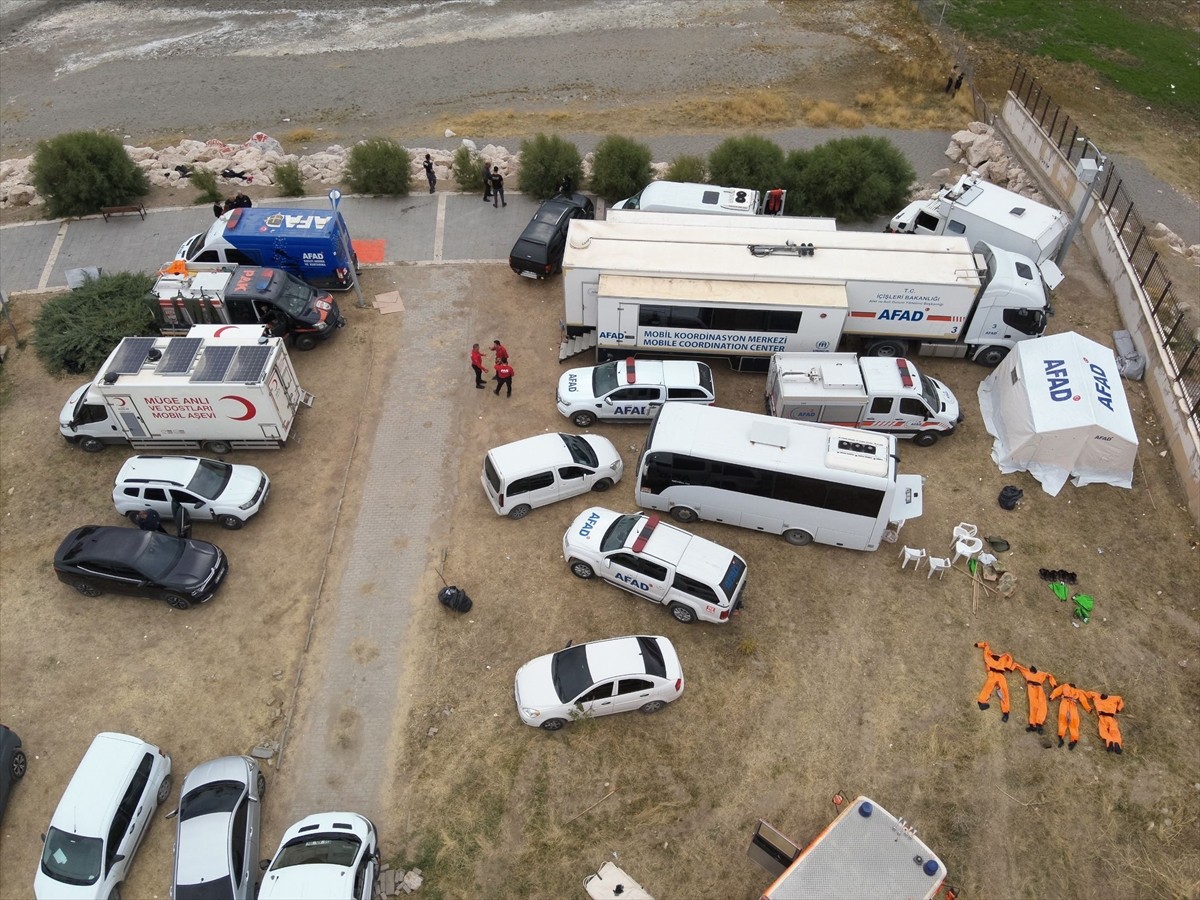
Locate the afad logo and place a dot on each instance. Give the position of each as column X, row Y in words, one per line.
column 248, row 409
column 1060, row 383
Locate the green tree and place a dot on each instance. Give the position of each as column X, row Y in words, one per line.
column 687, row 168
column 80, row 172
column 288, row 180
column 205, row 181
column 468, row 169
column 620, row 167
column 76, row 331
column 545, row 160
column 852, row 179
column 379, row 166
column 747, row 162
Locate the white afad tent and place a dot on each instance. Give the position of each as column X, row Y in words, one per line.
column 1058, row 410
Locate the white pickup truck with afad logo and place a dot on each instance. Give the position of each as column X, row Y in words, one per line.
column 631, row 390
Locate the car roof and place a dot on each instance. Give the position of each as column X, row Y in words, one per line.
column 204, row 842
column 174, row 469
column 532, row 453
column 623, row 656
column 538, row 232
column 227, row 768
column 676, row 373
column 99, row 543
column 101, row 777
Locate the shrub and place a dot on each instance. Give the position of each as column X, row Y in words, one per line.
column 620, row 168
column 81, row 171
column 747, row 162
column 205, row 181
column 852, row 179
column 687, row 168
column 289, row 180
column 379, row 166
column 468, row 169
column 545, row 160
column 76, row 331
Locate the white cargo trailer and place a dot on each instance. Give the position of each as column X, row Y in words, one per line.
column 691, row 197
column 183, row 393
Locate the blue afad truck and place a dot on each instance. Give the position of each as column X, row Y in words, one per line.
column 312, row 244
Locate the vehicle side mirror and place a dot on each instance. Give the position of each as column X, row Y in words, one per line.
column 172, row 814
column 43, row 837
column 608, row 564
column 118, row 858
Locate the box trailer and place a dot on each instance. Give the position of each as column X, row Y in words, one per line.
column 864, row 852
column 715, row 220
column 889, row 395
column 183, row 393
column 693, row 289
column 981, row 211
column 690, row 197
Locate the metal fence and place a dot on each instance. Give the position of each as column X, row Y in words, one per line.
column 1172, row 319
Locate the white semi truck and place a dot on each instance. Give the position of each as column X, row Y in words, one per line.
column 878, row 394
column 981, row 211
column 748, row 293
column 690, row 197
column 184, row 393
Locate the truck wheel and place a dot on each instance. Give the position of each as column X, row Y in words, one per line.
column 18, row 765
column 684, row 514
column 602, row 485
column 797, row 537
column 164, row 790
column 991, row 356
column 584, row 419
column 925, row 438
column 220, row 448
column 519, row 511
column 684, row 614
column 888, row 348
column 304, row 341
column 233, row 523
column 581, row 569
column 91, row 444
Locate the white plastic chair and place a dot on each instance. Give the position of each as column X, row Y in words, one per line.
column 986, row 559
column 966, row 546
column 938, row 564
column 913, row 555
column 964, row 530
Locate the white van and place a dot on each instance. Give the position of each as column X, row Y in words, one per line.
column 630, row 389
column 102, row 817
column 547, row 467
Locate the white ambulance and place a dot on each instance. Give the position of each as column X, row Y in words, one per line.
column 693, row 577
column 631, row 390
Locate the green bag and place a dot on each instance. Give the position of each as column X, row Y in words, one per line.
column 1084, row 604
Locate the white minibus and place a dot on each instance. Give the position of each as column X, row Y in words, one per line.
column 803, row 480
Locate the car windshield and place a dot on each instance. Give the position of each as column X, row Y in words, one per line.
column 218, row 797
column 296, row 297
column 618, row 531
column 216, row 889
column 321, row 849
column 604, row 379
column 733, row 575
column 158, row 555
column 581, row 451
column 210, row 478
column 570, row 673
column 70, row 858
column 706, row 378
column 929, row 393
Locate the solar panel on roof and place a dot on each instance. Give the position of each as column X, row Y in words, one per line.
column 213, row 364
column 130, row 355
column 249, row 365
column 178, row 358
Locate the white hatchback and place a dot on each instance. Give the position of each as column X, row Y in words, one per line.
column 693, row 577
column 548, row 467
column 207, row 488
column 598, row 678
column 631, row 389
column 332, row 855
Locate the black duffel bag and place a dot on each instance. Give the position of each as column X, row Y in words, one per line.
column 455, row 598
column 1010, row 495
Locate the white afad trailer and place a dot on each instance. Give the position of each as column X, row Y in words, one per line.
column 692, row 197
column 864, row 852
column 748, row 293
column 235, row 391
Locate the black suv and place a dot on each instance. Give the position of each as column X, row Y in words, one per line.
column 538, row 252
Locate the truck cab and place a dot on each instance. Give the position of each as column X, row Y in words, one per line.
column 1006, row 313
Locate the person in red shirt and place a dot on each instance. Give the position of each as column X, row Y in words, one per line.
column 478, row 366
column 500, row 351
column 504, row 375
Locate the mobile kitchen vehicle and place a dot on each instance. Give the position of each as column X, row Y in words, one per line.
column 248, row 295
column 981, row 211
column 184, row 393
column 864, row 852
column 689, row 197
column 880, row 394
column 746, row 294
column 312, row 244
column 806, row 481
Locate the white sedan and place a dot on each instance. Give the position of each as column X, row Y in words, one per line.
column 333, row 855
column 598, row 678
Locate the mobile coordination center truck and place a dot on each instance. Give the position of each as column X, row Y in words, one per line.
column 864, row 852
column 237, row 391
column 748, row 293
column 878, row 394
column 981, row 211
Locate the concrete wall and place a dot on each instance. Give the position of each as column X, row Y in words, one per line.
column 1056, row 176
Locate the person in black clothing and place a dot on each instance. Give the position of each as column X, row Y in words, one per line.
column 429, row 173
column 566, row 186
column 497, row 187
column 148, row 520
column 487, row 182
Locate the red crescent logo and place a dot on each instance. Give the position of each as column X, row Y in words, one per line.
column 250, row 410
column 223, row 329
column 118, row 401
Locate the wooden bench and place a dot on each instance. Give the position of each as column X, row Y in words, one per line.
column 107, row 211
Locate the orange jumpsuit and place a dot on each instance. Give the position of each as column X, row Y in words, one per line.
column 1107, row 707
column 1068, row 713
column 1034, row 681
column 996, row 667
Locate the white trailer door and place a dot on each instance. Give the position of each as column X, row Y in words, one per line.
column 131, row 419
column 908, row 502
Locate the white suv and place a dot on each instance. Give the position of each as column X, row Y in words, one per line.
column 333, row 855
column 206, row 488
column 693, row 577
column 631, row 390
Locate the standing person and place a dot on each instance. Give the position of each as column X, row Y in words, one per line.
column 429, row 173
column 478, row 366
column 1067, row 696
column 566, row 186
column 996, row 667
column 148, row 520
column 487, row 182
column 957, row 84
column 504, row 375
column 950, row 78
column 498, row 187
column 1034, row 687
column 500, row 351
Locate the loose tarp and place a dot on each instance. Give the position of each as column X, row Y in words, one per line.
column 1058, row 410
